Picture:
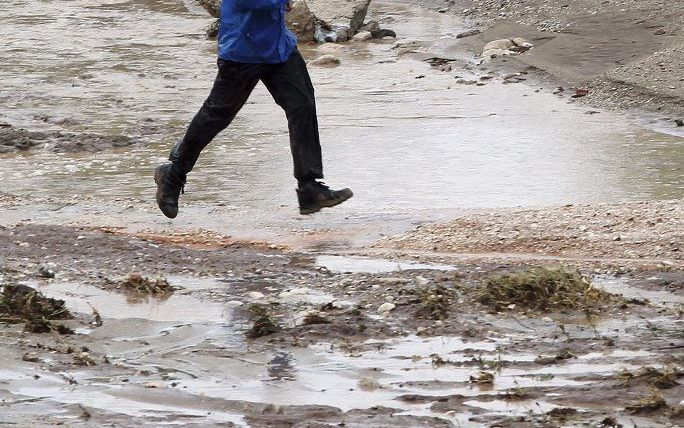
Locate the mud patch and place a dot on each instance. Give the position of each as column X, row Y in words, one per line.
column 21, row 140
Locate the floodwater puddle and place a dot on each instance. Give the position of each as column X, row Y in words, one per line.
column 179, row 306
column 623, row 287
column 413, row 150
column 353, row 264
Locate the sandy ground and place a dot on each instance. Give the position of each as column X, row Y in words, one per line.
column 627, row 52
column 624, row 236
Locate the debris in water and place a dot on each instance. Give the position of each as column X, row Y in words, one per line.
column 96, row 319
column 563, row 354
column 315, row 317
column 562, row 413
column 263, row 323
column 649, row 404
column 30, row 357
column 21, row 303
column 83, row 359
column 435, row 302
column 138, row 285
column 542, row 289
column 483, row 378
column 661, row 379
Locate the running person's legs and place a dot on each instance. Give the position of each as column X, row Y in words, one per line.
column 290, row 85
column 232, row 87
column 291, row 88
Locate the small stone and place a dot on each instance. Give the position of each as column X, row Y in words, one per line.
column 386, row 307
column 154, row 384
column 362, row 36
column 255, row 295
column 30, row 357
column 467, row 33
column 421, row 280
column 327, row 60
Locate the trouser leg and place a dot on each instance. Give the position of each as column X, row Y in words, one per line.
column 233, row 85
column 291, row 88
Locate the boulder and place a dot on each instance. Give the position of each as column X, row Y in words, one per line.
column 337, row 14
column 301, row 21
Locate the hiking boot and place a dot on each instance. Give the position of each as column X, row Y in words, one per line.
column 169, row 188
column 314, row 195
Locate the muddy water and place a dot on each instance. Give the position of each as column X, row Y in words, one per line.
column 412, row 149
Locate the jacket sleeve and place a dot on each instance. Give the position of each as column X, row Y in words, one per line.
column 259, row 4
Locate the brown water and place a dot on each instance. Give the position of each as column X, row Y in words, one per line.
column 413, row 150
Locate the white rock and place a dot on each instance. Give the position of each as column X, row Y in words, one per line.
column 325, row 61
column 255, row 295
column 386, row 307
column 421, row 280
column 362, row 36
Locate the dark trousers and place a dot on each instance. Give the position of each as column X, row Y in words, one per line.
column 291, row 88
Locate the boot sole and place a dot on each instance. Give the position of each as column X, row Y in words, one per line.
column 330, row 204
column 157, row 180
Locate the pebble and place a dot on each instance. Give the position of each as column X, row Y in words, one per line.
column 386, row 307
column 255, row 295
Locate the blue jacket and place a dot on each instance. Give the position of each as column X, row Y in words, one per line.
column 254, row 31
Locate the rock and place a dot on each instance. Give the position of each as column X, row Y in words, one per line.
column 154, row 384
column 496, row 53
column 301, row 21
column 502, row 44
column 502, row 47
column 255, row 295
column 325, row 61
column 580, row 92
column 46, row 271
column 468, row 33
column 371, row 27
column 386, row 307
column 213, row 29
column 211, row 6
column 362, row 36
column 679, row 122
column 335, row 14
column 383, row 34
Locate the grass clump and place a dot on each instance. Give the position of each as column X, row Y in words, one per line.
column 20, row 303
column 541, row 289
column 435, row 302
column 140, row 286
column 263, row 323
column 651, row 403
